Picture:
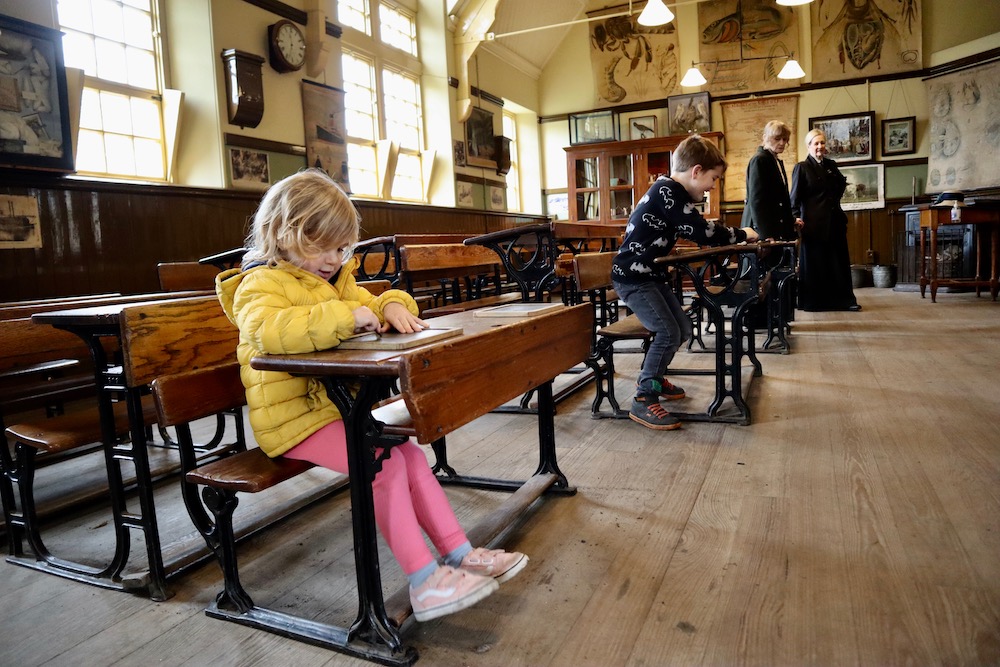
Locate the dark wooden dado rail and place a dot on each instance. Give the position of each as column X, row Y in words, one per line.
column 108, row 237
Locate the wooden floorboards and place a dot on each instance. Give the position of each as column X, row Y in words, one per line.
column 856, row 521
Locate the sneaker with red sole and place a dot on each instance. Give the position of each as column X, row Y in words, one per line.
column 449, row 590
column 496, row 563
column 667, row 391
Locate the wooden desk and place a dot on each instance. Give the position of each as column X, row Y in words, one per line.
column 986, row 217
column 372, row 372
column 94, row 325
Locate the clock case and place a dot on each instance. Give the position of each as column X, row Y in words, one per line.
column 276, row 58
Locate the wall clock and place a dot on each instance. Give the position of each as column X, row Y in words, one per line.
column 287, row 46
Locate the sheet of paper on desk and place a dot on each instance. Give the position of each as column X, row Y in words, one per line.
column 517, row 310
column 397, row 341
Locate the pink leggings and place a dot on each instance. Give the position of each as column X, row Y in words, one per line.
column 407, row 496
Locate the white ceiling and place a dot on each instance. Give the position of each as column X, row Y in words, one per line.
column 531, row 51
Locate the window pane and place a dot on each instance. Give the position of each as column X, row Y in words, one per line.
column 139, row 4
column 354, row 13
column 111, row 63
column 397, row 29
column 108, row 21
column 363, row 169
column 90, row 110
column 78, row 51
column 145, row 118
column 76, row 14
column 90, row 152
column 361, row 118
column 121, row 158
column 148, row 159
column 141, row 68
column 116, row 113
column 138, row 29
column 402, row 110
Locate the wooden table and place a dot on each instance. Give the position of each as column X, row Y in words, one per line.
column 371, row 374
column 986, row 217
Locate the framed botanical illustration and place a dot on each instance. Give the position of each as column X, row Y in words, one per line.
column 589, row 128
column 479, row 139
column 865, row 187
column 689, row 113
column 849, row 137
column 642, row 127
column 34, row 106
column 899, row 136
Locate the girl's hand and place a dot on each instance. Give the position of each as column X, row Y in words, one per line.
column 365, row 320
column 399, row 318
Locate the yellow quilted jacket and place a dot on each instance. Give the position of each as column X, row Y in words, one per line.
column 287, row 310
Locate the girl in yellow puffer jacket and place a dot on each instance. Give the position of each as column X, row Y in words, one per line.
column 296, row 293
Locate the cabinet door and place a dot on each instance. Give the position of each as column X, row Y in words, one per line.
column 621, row 187
column 587, row 188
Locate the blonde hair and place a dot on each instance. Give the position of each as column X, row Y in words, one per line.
column 775, row 130
column 303, row 214
column 812, row 134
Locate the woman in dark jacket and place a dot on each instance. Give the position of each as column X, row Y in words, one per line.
column 824, row 261
column 767, row 207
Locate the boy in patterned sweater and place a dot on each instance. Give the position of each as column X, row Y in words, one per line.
column 664, row 214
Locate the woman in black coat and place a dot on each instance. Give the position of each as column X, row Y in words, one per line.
column 767, row 207
column 824, row 261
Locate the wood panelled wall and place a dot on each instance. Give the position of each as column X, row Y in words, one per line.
column 108, row 237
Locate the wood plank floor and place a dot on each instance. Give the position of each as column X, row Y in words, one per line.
column 855, row 522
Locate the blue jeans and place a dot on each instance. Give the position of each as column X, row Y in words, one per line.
column 657, row 308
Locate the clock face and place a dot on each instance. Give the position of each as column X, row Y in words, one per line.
column 288, row 47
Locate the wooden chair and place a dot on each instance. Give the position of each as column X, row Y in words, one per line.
column 183, row 276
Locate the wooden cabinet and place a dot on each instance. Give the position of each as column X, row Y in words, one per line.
column 606, row 180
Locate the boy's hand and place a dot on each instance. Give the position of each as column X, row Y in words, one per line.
column 365, row 320
column 399, row 318
column 752, row 235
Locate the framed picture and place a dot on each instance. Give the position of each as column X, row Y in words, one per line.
column 479, row 139
column 20, row 226
column 899, row 136
column 590, row 128
column 865, row 187
column 689, row 113
column 460, row 154
column 497, row 202
column 557, row 205
column 325, row 129
column 249, row 169
column 464, row 197
column 34, row 106
column 642, row 127
column 849, row 137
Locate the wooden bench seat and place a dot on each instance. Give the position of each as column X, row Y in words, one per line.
column 183, row 276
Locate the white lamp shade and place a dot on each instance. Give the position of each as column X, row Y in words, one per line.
column 655, row 13
column 791, row 70
column 792, row 3
column 692, row 78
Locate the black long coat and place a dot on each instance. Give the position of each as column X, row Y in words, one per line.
column 824, row 260
column 768, row 209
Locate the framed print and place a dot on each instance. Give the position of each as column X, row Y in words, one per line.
column 642, row 127
column 590, row 128
column 20, row 226
column 464, row 197
column 460, row 154
column 899, row 136
column 497, row 202
column 689, row 113
column 325, row 129
column 34, row 106
column 479, row 139
column 849, row 137
column 865, row 187
column 557, row 205
column 249, row 169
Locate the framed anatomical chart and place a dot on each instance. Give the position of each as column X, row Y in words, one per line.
column 860, row 38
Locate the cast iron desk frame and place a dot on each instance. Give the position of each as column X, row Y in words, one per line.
column 373, row 373
column 93, row 325
column 986, row 218
column 729, row 347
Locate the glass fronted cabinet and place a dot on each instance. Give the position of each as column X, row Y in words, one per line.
column 606, row 180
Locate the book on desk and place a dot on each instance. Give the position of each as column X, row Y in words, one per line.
column 518, row 310
column 393, row 340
